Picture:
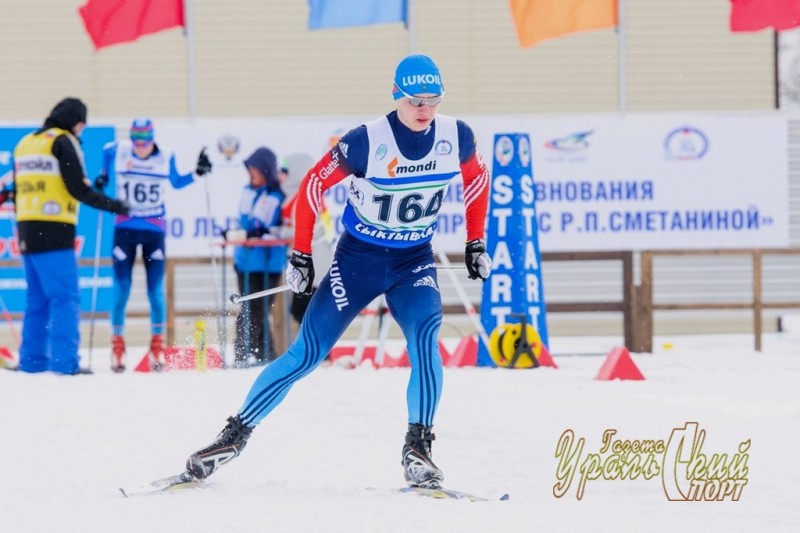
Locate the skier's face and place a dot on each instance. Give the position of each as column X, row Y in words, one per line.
column 77, row 129
column 257, row 179
column 417, row 112
column 143, row 149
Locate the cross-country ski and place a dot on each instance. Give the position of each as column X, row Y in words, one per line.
column 183, row 480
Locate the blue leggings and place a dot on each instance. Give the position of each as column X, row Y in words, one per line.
column 360, row 273
column 126, row 241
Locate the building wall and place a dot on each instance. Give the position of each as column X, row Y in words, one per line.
column 257, row 58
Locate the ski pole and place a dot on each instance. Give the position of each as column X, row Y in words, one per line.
column 383, row 331
column 237, row 299
column 374, row 307
column 9, row 320
column 468, row 307
column 95, row 280
column 6, row 312
column 217, row 297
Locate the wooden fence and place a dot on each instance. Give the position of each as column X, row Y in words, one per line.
column 645, row 307
column 635, row 301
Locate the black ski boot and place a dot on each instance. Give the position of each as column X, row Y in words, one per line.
column 227, row 446
column 418, row 467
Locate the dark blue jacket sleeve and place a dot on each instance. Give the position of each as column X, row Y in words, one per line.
column 466, row 141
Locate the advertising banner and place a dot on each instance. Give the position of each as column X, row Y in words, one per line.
column 602, row 183
column 12, row 278
column 672, row 181
column 637, row 182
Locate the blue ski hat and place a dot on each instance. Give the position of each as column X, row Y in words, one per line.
column 417, row 74
column 142, row 130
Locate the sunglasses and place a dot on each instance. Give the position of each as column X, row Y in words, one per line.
column 419, row 101
column 142, row 144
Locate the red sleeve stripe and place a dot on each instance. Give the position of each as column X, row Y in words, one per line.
column 476, row 195
column 314, row 193
column 310, row 198
column 475, row 189
column 475, row 186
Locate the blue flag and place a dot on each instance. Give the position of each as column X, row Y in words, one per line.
column 345, row 13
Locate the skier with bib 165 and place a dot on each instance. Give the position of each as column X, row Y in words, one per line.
column 401, row 166
column 142, row 169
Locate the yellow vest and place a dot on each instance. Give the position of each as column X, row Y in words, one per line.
column 41, row 193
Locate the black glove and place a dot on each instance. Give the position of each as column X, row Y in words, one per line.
column 300, row 273
column 100, row 182
column 479, row 265
column 256, row 233
column 204, row 165
column 119, row 207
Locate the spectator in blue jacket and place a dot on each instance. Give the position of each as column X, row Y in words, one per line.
column 258, row 267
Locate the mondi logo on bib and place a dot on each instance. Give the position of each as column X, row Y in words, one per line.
column 393, row 169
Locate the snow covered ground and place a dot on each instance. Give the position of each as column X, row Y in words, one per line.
column 68, row 443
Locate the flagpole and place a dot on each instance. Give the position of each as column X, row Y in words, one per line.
column 188, row 17
column 411, row 27
column 622, row 38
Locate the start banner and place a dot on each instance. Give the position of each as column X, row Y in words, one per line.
column 514, row 290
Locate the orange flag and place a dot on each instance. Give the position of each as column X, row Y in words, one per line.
column 539, row 20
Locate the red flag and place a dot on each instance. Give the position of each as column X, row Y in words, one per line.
column 754, row 15
column 120, row 21
column 539, row 20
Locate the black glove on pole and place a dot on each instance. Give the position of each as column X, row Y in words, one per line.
column 204, row 165
column 479, row 265
column 300, row 273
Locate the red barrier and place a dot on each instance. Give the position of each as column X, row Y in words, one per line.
column 182, row 358
column 619, row 365
column 545, row 359
column 6, row 357
column 465, row 354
